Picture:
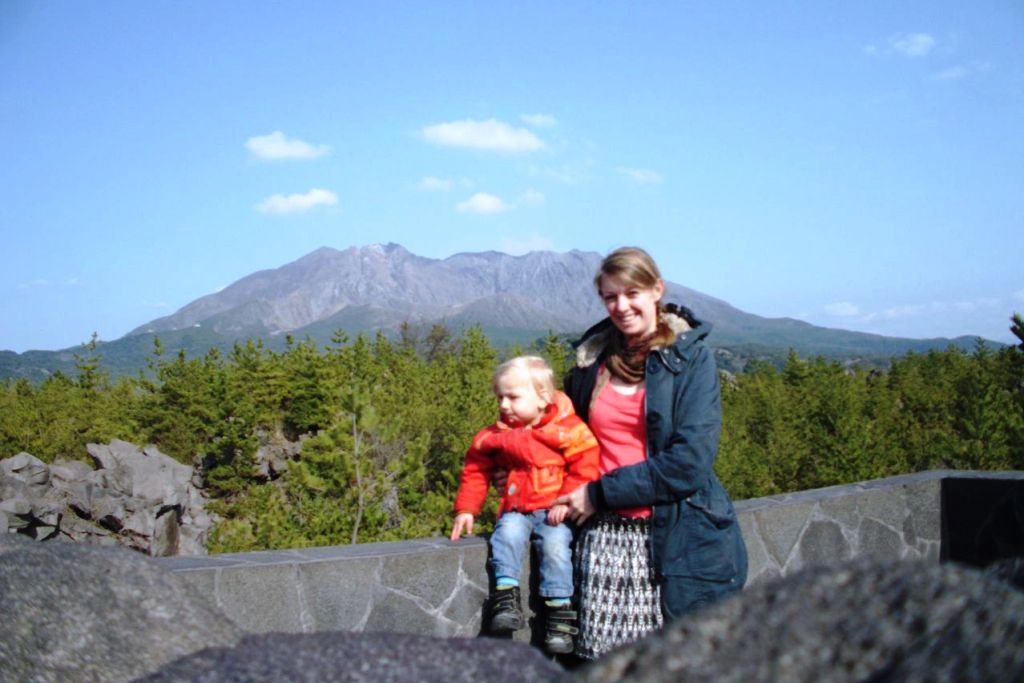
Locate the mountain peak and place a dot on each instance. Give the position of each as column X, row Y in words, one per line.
column 531, row 293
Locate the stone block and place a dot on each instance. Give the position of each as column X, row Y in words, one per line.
column 474, row 564
column 781, row 527
column 823, row 544
column 878, row 541
column 339, row 593
column 843, row 509
column 261, row 598
column 430, row 576
column 465, row 610
column 203, row 583
column 760, row 563
column 924, row 509
column 395, row 612
column 887, row 505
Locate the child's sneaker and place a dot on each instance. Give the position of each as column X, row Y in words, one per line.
column 561, row 627
column 506, row 612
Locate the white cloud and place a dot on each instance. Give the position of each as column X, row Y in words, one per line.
column 296, row 203
column 432, row 183
column 491, row 135
column 913, row 44
column 641, row 175
column 936, row 308
column 842, row 309
column 960, row 71
column 954, row 73
column 276, row 146
column 538, row 120
column 38, row 282
column 482, row 202
column 906, row 44
column 519, row 246
column 572, row 173
column 531, row 197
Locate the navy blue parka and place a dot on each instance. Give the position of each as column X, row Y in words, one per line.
column 696, row 548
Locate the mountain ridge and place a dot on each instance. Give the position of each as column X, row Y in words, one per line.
column 516, row 299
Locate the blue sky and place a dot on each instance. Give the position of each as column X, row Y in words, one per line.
column 855, row 165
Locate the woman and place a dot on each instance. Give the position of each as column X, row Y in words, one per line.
column 661, row 536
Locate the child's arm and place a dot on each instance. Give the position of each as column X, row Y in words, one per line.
column 475, row 477
column 582, row 455
column 557, row 514
column 463, row 524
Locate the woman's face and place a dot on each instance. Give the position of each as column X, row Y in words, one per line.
column 633, row 309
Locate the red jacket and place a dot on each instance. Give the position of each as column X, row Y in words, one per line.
column 552, row 458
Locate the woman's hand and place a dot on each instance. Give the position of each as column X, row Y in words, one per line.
column 463, row 523
column 578, row 502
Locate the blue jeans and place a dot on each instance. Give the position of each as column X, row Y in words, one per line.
column 553, row 544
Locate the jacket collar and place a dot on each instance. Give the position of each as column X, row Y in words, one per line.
column 680, row 319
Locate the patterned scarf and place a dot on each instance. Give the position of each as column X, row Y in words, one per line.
column 628, row 361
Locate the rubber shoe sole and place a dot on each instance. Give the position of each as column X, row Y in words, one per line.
column 506, row 621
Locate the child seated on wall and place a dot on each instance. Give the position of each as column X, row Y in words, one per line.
column 547, row 451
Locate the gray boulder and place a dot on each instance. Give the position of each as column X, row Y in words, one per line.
column 1010, row 569
column 27, row 468
column 74, row 613
column 906, row 622
column 344, row 657
column 141, row 498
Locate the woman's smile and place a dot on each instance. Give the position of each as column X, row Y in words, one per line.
column 633, row 310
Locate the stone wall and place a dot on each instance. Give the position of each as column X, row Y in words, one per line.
column 436, row 587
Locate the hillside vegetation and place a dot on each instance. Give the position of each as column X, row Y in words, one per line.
column 385, row 424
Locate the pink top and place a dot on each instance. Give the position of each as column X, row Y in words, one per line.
column 617, row 422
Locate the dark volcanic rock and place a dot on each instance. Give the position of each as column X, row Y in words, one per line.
column 357, row 657
column 1010, row 570
column 903, row 622
column 71, row 612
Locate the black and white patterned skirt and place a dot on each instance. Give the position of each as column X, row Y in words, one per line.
column 618, row 599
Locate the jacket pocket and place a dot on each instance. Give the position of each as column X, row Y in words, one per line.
column 717, row 510
column 704, row 540
column 547, row 479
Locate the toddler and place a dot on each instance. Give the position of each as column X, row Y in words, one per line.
column 547, row 451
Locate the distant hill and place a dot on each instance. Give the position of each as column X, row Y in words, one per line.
column 379, row 287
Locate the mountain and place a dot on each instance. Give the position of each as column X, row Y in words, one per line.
column 380, row 287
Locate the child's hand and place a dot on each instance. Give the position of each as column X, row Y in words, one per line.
column 463, row 524
column 557, row 514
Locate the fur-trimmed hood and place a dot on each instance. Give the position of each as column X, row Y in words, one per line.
column 680, row 320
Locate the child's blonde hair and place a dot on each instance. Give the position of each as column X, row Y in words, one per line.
column 536, row 368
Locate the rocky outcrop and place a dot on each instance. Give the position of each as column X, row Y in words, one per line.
column 361, row 658
column 139, row 498
column 899, row 621
column 75, row 613
column 274, row 452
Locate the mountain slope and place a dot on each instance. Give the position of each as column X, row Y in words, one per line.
column 514, row 299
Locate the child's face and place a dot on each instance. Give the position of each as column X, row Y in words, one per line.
column 518, row 401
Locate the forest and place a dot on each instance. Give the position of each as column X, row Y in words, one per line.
column 384, row 423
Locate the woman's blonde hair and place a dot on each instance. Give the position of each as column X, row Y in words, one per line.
column 536, row 368
column 631, row 264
